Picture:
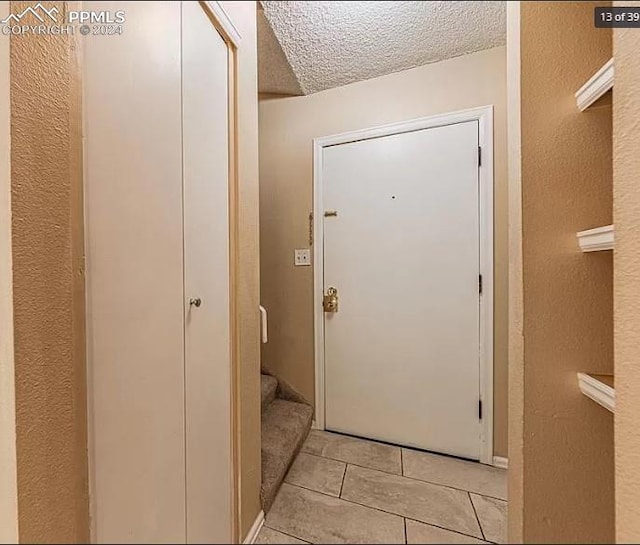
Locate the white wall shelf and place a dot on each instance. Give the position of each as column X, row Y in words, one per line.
column 594, row 240
column 598, row 85
column 600, row 388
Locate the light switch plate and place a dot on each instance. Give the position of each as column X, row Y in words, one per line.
column 302, row 257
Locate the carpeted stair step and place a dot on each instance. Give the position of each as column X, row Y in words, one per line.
column 268, row 386
column 285, row 426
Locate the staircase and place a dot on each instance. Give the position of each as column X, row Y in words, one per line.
column 285, row 425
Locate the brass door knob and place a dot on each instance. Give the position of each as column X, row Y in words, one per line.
column 330, row 300
column 195, row 302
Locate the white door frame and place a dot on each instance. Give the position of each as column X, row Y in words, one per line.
column 223, row 23
column 484, row 116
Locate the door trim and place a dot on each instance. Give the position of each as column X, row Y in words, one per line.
column 229, row 33
column 223, row 23
column 484, row 116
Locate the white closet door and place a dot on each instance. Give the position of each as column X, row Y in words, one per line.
column 133, row 191
column 206, row 221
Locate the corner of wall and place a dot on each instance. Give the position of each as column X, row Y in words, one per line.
column 567, row 462
column 516, row 363
column 244, row 17
column 48, row 287
column 626, row 199
column 8, row 478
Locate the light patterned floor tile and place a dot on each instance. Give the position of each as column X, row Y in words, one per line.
column 316, row 473
column 425, row 502
column 493, row 517
column 319, row 518
column 354, row 451
column 419, row 533
column 267, row 536
column 471, row 476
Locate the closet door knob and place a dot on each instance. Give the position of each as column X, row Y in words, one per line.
column 195, row 301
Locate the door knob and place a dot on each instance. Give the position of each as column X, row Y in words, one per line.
column 330, row 300
column 195, row 301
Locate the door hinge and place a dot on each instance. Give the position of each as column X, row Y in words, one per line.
column 480, row 284
column 479, row 156
column 480, row 409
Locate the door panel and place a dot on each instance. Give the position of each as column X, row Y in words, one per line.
column 402, row 353
column 206, row 224
column 133, row 214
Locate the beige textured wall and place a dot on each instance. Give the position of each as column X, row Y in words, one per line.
column 49, row 293
column 566, row 187
column 48, row 288
column 626, row 199
column 8, row 485
column 243, row 16
column 287, row 128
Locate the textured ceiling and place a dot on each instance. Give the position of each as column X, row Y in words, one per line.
column 329, row 44
column 275, row 75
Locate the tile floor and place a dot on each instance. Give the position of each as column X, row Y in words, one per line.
column 346, row 490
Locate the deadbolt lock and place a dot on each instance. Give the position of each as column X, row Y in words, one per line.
column 330, row 300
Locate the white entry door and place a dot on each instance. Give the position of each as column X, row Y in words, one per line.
column 402, row 352
column 205, row 125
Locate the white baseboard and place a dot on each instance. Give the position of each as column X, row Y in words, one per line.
column 501, row 462
column 255, row 529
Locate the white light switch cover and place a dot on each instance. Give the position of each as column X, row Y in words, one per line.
column 302, row 257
